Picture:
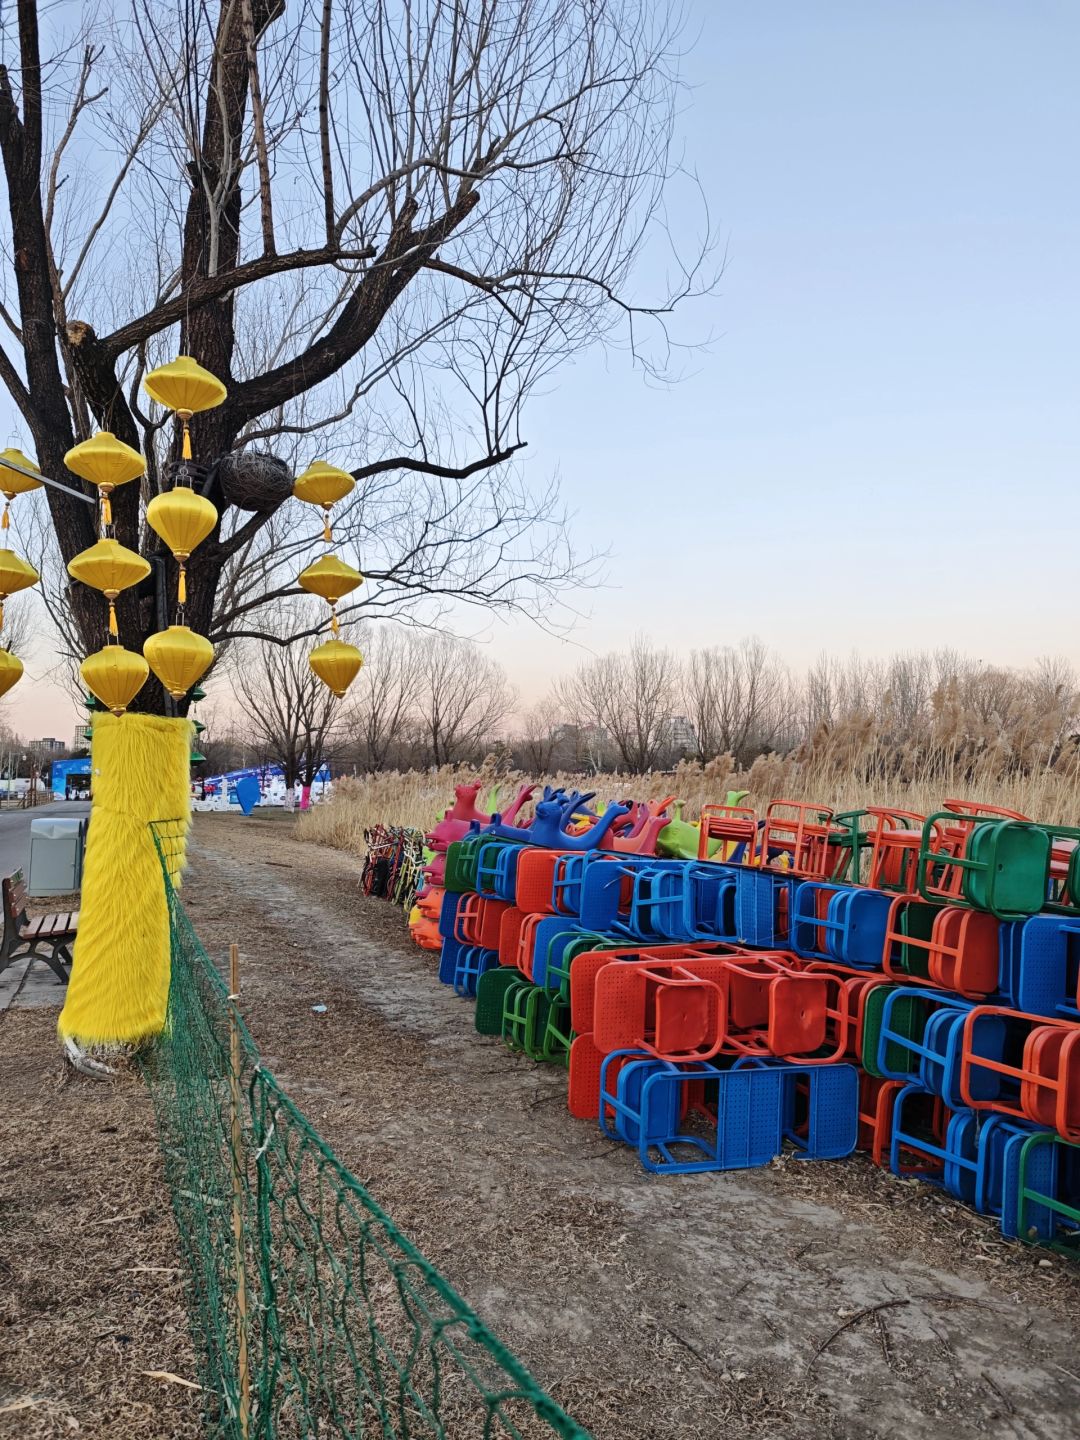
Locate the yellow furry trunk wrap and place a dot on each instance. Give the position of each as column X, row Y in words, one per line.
column 120, row 967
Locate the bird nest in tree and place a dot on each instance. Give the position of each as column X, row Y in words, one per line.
column 251, row 480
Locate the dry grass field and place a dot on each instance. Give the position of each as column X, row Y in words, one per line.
column 846, row 774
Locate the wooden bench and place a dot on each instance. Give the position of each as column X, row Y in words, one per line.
column 45, row 937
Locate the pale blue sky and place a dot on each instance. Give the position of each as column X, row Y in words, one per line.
column 880, row 449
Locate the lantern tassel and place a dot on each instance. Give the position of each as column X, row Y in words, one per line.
column 5, row 523
column 186, row 447
column 181, row 588
column 2, row 612
column 334, row 626
column 106, row 510
column 113, row 629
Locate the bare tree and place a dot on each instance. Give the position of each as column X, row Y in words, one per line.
column 381, row 251
column 538, row 736
column 20, row 623
column 462, row 698
column 16, row 636
column 736, row 699
column 381, row 720
column 820, row 692
column 1054, row 690
column 627, row 698
column 909, row 687
column 289, row 713
column 224, row 747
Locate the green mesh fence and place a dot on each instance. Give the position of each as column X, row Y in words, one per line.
column 312, row 1314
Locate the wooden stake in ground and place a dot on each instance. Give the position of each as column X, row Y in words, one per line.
column 237, row 1143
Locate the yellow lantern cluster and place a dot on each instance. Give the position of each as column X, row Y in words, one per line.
column 115, row 676
column 336, row 664
column 333, row 579
column 107, row 463
column 177, row 655
column 15, row 573
column 11, row 669
column 185, row 388
column 110, row 567
column 15, row 482
column 324, row 485
column 183, row 520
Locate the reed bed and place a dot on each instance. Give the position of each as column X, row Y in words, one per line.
column 845, row 769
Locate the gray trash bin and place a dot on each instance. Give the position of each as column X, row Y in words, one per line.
column 56, row 855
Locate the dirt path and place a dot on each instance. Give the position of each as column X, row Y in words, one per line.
column 678, row 1307
column 91, row 1293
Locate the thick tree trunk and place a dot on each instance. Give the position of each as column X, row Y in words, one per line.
column 204, row 308
column 211, row 244
column 120, row 976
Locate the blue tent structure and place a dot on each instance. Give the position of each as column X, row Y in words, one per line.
column 68, row 776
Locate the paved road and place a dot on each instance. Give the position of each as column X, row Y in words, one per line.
column 35, row 984
column 15, row 830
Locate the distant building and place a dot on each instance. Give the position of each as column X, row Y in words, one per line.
column 681, row 735
column 48, row 746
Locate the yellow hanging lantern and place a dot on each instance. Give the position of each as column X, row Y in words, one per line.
column 186, row 388
column 336, row 664
column 106, row 462
column 15, row 575
column 183, row 520
column 331, row 578
column 14, row 482
column 324, row 485
column 11, row 669
column 115, row 676
column 178, row 657
column 110, row 567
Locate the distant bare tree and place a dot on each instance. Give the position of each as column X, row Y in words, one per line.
column 820, row 692
column 288, row 710
column 836, row 689
column 382, row 717
column 628, row 697
column 538, row 736
column 462, row 698
column 20, row 625
column 909, row 685
column 1055, row 691
column 1054, row 697
column 224, row 748
column 736, row 699
column 992, row 694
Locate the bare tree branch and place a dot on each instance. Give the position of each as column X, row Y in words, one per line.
column 426, row 467
column 266, row 206
column 206, row 289
column 485, row 180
